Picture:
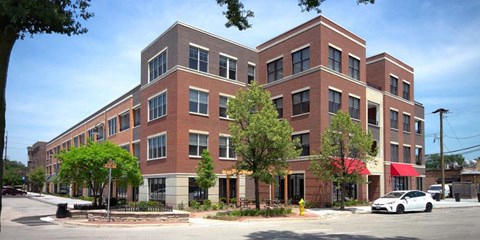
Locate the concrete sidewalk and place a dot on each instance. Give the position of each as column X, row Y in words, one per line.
column 55, row 200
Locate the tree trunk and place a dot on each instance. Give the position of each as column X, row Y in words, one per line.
column 8, row 36
column 342, row 196
column 257, row 194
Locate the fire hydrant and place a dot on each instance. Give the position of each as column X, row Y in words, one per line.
column 302, row 207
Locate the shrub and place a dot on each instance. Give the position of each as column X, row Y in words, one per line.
column 181, row 206
column 194, row 205
column 207, row 203
column 267, row 212
column 233, row 200
column 86, row 198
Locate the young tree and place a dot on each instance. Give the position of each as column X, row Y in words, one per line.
column 344, row 153
column 263, row 141
column 29, row 17
column 238, row 17
column 37, row 178
column 206, row 176
column 86, row 165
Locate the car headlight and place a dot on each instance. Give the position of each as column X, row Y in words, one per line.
column 391, row 202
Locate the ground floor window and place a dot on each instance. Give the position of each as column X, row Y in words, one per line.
column 350, row 191
column 195, row 192
column 400, row 183
column 296, row 186
column 121, row 192
column 156, row 189
column 420, row 183
column 222, row 188
column 135, row 193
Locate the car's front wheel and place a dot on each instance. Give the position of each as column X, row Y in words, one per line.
column 429, row 207
column 400, row 209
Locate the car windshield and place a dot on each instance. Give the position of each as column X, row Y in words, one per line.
column 393, row 195
column 435, row 188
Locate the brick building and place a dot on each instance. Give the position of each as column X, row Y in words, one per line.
column 311, row 71
column 36, row 158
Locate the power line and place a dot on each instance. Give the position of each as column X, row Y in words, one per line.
column 453, row 132
column 474, row 136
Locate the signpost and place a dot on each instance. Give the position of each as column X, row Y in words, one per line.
column 110, row 164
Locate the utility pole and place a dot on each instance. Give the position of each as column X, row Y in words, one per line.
column 442, row 164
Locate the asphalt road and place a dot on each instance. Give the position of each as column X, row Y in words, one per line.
column 21, row 220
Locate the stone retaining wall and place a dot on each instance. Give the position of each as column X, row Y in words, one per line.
column 101, row 215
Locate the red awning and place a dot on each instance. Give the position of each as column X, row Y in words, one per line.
column 405, row 170
column 354, row 165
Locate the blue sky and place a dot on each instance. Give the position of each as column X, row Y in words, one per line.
column 54, row 81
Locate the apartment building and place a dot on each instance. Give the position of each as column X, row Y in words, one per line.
column 311, row 71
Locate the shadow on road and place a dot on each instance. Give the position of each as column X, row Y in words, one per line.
column 33, row 221
column 307, row 236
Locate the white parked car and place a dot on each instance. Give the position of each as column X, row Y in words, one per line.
column 404, row 201
column 437, row 188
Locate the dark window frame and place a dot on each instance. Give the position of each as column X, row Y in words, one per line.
column 333, row 104
column 354, row 107
column 275, row 70
column 335, row 59
column 354, row 67
column 301, row 102
column 301, row 60
column 304, row 139
column 393, row 85
column 393, row 119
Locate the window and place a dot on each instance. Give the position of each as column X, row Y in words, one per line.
column 406, row 123
column 126, row 147
column 301, row 102
column 393, row 85
column 75, row 141
column 156, row 189
column 124, row 119
column 136, row 117
column 279, row 106
column 81, row 139
column 197, row 143
column 121, row 192
column 91, row 133
column 195, row 192
column 251, row 73
column 394, row 152
column 112, row 126
column 275, row 70
column 406, row 154
column 418, row 156
column 406, row 91
column 157, row 147
column 334, row 59
column 301, row 60
column 419, row 183
column 223, row 107
column 99, row 130
column 334, row 101
column 393, row 119
column 198, row 102
column 157, row 106
column 157, row 66
column 226, row 148
column 198, row 59
column 136, row 150
column 305, row 143
column 354, row 107
column 228, row 68
column 400, row 183
column 418, row 126
column 353, row 68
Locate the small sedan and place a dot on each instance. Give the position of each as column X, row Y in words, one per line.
column 404, row 201
column 12, row 191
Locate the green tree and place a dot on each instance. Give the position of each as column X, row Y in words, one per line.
column 86, row 165
column 37, row 178
column 29, row 17
column 14, row 171
column 263, row 141
column 237, row 16
column 453, row 160
column 345, row 151
column 206, row 176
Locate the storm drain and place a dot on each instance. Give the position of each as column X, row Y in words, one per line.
column 33, row 221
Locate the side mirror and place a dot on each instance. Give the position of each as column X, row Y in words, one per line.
column 406, row 198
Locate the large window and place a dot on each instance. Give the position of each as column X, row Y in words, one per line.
column 275, row 70
column 406, row 154
column 226, row 148
column 406, row 123
column 394, row 152
column 251, row 73
column 228, row 68
column 222, row 108
column 334, row 101
column 393, row 119
column 112, row 126
column 124, row 121
column 301, row 102
column 157, row 106
column 195, row 192
column 406, row 91
column 157, row 66
column 197, row 143
column 198, row 59
column 301, row 60
column 157, row 189
column 334, row 59
column 157, row 147
column 354, row 107
column 304, row 142
column 198, row 102
column 278, row 102
column 354, row 68
column 393, row 85
column 121, row 192
column 400, row 183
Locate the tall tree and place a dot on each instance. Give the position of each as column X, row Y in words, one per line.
column 344, row 153
column 19, row 18
column 263, row 141
column 37, row 178
column 14, row 171
column 205, row 170
column 453, row 161
column 85, row 165
column 237, row 16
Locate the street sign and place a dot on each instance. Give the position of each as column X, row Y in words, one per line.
column 110, row 164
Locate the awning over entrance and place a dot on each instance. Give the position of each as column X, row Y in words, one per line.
column 404, row 170
column 354, row 165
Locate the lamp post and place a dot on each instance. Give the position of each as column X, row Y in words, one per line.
column 110, row 164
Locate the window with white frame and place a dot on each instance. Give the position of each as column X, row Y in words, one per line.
column 275, row 70
column 112, row 126
column 251, row 73
column 157, row 66
column 228, row 68
column 334, row 59
column 226, row 148
column 406, row 91
column 197, row 143
column 354, row 68
column 354, row 107
column 301, row 60
column 157, row 146
column 334, row 101
column 198, row 59
column 124, row 119
column 301, row 102
column 198, row 102
column 223, row 106
column 157, row 106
